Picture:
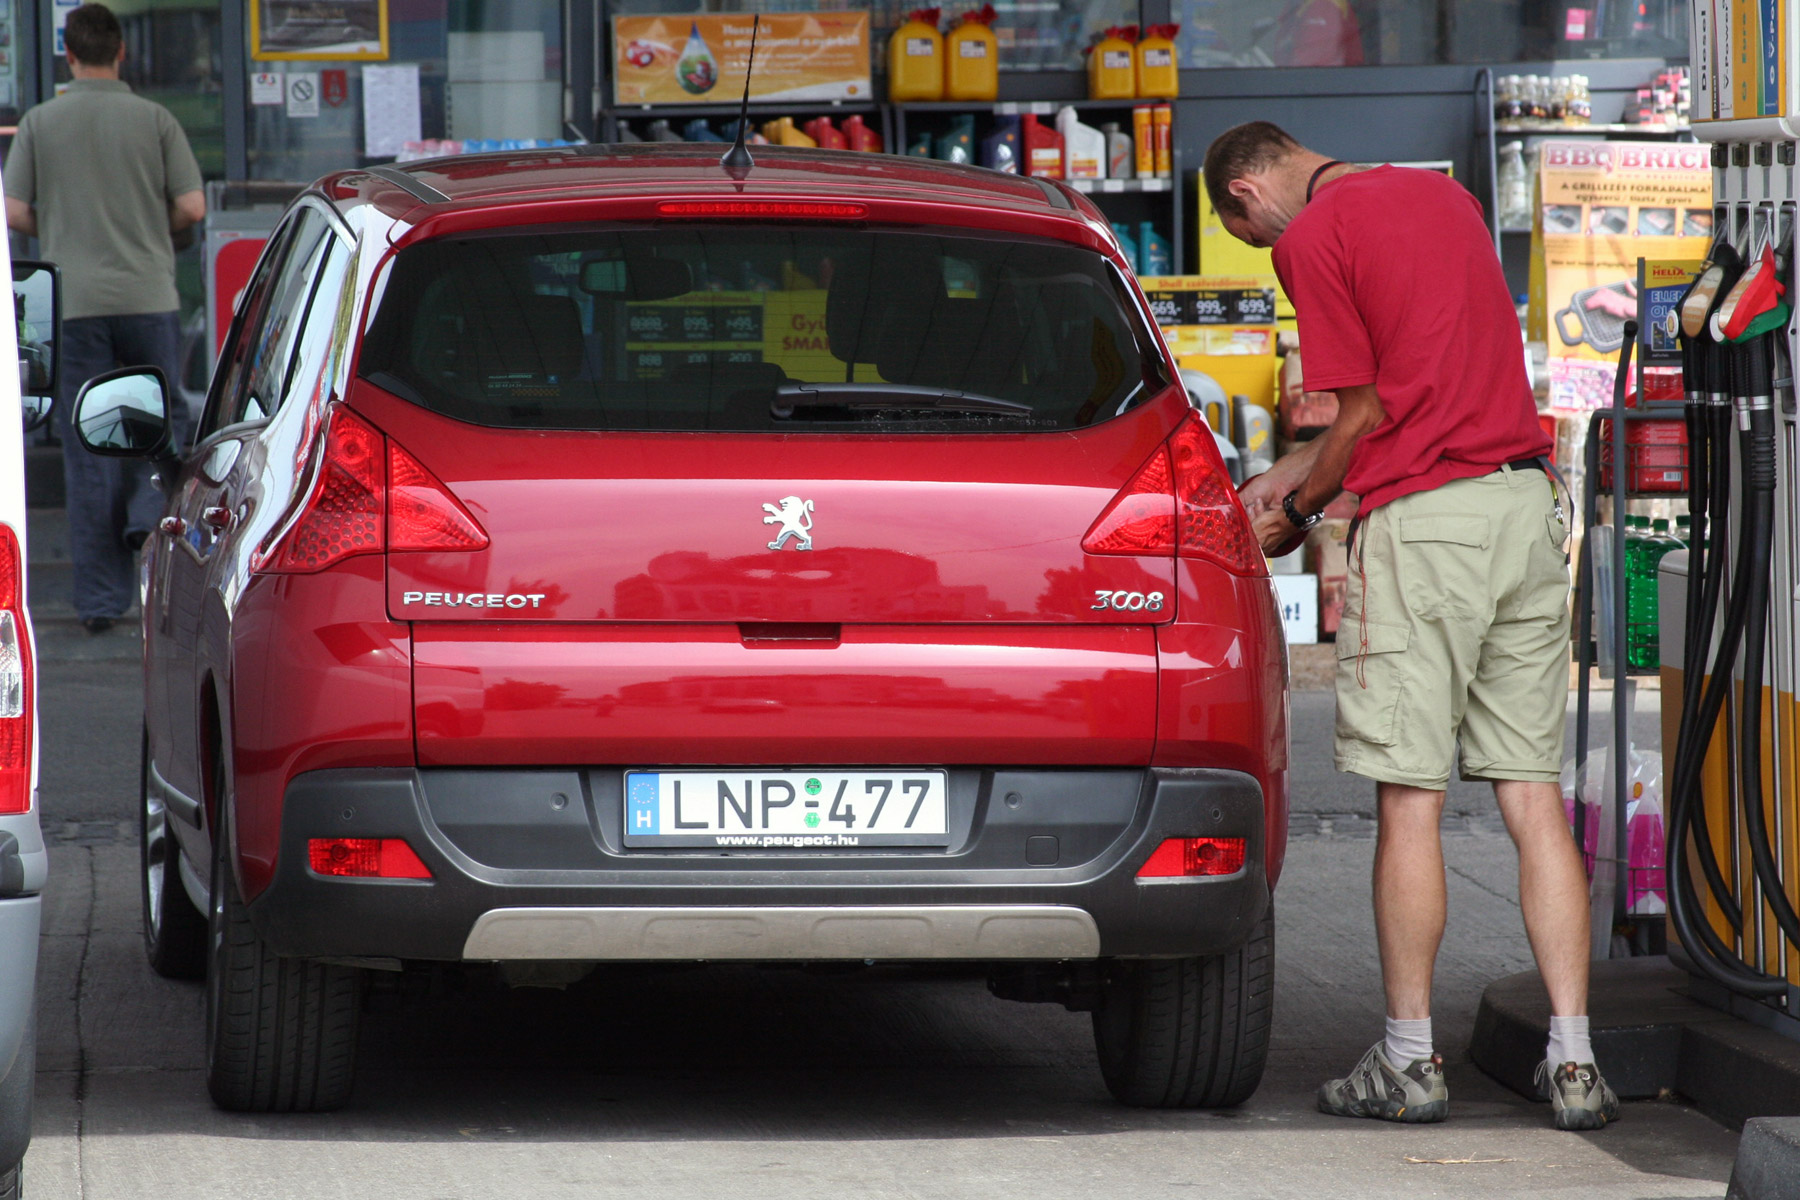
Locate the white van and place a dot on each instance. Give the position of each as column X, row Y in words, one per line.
column 25, row 395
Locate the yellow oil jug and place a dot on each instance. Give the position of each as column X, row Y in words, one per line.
column 783, row 132
column 972, row 58
column 916, row 59
column 1112, row 65
column 1157, row 75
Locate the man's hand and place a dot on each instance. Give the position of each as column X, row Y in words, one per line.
column 1272, row 527
column 1261, row 493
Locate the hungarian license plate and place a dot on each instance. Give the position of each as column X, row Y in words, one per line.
column 774, row 810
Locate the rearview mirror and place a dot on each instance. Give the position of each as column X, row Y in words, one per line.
column 37, row 316
column 125, row 413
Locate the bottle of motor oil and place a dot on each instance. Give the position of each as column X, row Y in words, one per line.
column 660, row 131
column 1157, row 75
column 1154, row 255
column 860, row 136
column 783, row 132
column 1119, row 164
column 697, row 130
column 920, row 146
column 1143, row 140
column 1112, row 64
column 1161, row 124
column 1084, row 147
column 1128, row 245
column 827, row 135
column 1043, row 148
column 958, row 145
column 972, row 58
column 916, row 59
column 1000, row 149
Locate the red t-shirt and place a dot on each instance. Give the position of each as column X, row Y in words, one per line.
column 1395, row 282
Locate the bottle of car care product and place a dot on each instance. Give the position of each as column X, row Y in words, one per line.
column 660, row 132
column 1128, row 245
column 1000, row 149
column 916, row 59
column 1112, row 64
column 860, row 136
column 1162, row 126
column 1156, row 72
column 698, row 130
column 783, row 132
column 1154, row 254
column 1084, row 147
column 920, row 146
column 1119, row 164
column 827, row 135
column 1143, row 140
column 1043, row 148
column 972, row 58
column 958, row 145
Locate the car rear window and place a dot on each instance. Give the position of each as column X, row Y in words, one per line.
column 761, row 328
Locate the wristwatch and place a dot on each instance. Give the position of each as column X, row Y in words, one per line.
column 1293, row 514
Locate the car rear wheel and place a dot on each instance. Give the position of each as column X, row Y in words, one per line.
column 280, row 1032
column 1189, row 1032
column 174, row 930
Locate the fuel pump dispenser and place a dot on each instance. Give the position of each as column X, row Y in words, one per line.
column 1731, row 652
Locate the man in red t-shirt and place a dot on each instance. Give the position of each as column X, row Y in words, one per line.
column 1456, row 623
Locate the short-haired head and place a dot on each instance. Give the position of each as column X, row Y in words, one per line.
column 93, row 36
column 1247, row 149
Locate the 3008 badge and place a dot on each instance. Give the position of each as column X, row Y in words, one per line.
column 1127, row 601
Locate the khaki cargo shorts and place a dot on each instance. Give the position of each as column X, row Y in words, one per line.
column 1456, row 630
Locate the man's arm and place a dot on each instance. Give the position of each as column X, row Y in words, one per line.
column 19, row 216
column 188, row 210
column 1359, row 412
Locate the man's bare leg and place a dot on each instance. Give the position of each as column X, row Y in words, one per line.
column 1409, row 896
column 1552, row 890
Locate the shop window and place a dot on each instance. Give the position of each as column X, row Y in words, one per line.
column 486, row 70
column 1348, row 33
column 1035, row 35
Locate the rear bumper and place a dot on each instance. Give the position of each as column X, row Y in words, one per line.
column 528, row 864
column 19, row 919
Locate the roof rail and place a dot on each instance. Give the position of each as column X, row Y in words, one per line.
column 412, row 186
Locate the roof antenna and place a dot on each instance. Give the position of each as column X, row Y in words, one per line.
column 737, row 161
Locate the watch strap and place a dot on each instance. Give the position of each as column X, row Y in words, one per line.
column 1293, row 512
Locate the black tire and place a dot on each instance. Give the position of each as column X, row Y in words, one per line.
column 15, row 1113
column 1189, row 1032
column 174, row 930
column 280, row 1032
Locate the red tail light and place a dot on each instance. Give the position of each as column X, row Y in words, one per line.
column 15, row 680
column 365, row 858
column 1180, row 502
column 1180, row 858
column 804, row 209
column 366, row 482
column 422, row 514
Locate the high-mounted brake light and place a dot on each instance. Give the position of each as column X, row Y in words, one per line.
column 365, row 858
column 15, row 680
column 809, row 209
column 1181, row 858
column 371, row 495
column 1179, row 502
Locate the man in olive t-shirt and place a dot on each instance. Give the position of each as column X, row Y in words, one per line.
column 103, row 178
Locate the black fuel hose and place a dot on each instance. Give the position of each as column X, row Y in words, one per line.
column 1759, row 539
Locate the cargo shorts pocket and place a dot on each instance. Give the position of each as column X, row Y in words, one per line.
column 1445, row 563
column 1371, row 679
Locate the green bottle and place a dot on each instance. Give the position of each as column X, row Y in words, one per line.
column 1645, row 545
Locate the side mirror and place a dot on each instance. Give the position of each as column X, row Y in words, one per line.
column 125, row 414
column 37, row 316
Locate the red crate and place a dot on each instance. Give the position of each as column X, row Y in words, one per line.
column 1656, row 454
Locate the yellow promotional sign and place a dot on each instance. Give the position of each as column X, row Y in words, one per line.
column 700, row 59
column 1601, row 207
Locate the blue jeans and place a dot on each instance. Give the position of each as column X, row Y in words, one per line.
column 112, row 504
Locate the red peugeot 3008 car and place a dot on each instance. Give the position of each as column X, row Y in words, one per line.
column 585, row 558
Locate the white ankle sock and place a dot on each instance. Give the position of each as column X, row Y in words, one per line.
column 1569, row 1042
column 1408, row 1041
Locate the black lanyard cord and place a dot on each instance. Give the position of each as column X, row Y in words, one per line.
column 1314, row 181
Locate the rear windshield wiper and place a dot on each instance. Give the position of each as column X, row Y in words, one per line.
column 889, row 396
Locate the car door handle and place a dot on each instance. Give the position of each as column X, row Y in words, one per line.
column 216, row 517
column 173, row 526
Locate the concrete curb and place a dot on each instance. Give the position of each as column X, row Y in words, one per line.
column 1768, row 1161
column 1651, row 1039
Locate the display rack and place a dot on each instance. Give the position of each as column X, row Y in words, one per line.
column 760, row 111
column 1616, row 420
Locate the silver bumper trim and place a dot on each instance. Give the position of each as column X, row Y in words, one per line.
column 936, row 931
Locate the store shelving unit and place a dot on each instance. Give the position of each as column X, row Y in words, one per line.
column 639, row 115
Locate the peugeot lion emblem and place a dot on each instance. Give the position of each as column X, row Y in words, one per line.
column 794, row 515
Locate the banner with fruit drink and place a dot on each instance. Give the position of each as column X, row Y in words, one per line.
column 700, row 59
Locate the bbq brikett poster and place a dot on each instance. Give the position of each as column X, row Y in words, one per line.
column 1601, row 206
column 700, row 59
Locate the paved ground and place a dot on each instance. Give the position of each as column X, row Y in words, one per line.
column 784, row 1083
